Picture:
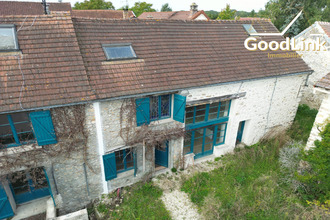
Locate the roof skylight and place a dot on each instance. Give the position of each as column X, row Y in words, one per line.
column 249, row 28
column 8, row 39
column 118, row 51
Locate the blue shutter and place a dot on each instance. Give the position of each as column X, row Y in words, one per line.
column 179, row 107
column 49, row 188
column 142, row 111
column 110, row 171
column 43, row 127
column 5, row 208
column 135, row 162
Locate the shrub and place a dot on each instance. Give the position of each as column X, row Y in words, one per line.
column 316, row 180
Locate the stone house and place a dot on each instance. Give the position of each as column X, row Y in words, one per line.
column 193, row 14
column 317, row 60
column 91, row 105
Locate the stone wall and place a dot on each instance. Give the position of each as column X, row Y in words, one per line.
column 322, row 118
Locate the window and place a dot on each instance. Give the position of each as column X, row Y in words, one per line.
column 118, row 51
column 249, row 28
column 207, row 112
column 124, row 160
column 8, row 39
column 221, row 133
column 160, row 107
column 15, row 129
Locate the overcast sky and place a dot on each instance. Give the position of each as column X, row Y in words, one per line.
column 178, row 5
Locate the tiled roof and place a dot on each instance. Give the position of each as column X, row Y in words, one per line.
column 114, row 14
column 325, row 26
column 30, row 8
column 48, row 71
column 176, row 55
column 172, row 15
column 252, row 18
column 324, row 82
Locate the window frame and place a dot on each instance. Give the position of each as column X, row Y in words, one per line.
column 124, row 162
column 206, row 120
column 18, row 142
column 160, row 117
column 119, row 45
column 15, row 37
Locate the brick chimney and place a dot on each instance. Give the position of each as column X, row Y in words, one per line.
column 125, row 13
column 193, row 9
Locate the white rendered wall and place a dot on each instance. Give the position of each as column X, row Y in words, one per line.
column 268, row 103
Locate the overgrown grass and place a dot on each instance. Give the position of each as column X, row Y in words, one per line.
column 249, row 184
column 143, row 202
column 302, row 123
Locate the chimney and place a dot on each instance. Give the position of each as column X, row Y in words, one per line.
column 193, row 9
column 125, row 13
column 46, row 7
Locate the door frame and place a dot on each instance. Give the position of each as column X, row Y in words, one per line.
column 163, row 153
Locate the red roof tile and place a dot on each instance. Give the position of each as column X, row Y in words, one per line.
column 172, row 15
column 48, row 71
column 112, row 14
column 175, row 55
column 30, row 8
column 324, row 82
column 325, row 26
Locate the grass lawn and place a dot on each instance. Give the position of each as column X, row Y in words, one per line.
column 140, row 201
column 248, row 185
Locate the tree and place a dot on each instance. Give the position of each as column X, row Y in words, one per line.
column 227, row 13
column 165, row 7
column 140, row 7
column 212, row 14
column 281, row 12
column 253, row 13
column 93, row 4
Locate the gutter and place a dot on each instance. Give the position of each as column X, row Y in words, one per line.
column 156, row 93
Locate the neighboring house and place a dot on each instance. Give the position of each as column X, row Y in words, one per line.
column 31, row 8
column 111, row 14
column 317, row 60
column 322, row 88
column 193, row 14
column 132, row 78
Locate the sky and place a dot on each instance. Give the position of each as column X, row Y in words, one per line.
column 178, row 5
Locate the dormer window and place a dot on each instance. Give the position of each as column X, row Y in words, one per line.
column 249, row 28
column 118, row 51
column 8, row 38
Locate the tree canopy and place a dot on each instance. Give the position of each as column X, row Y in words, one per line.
column 140, row 7
column 93, row 4
column 281, row 12
column 165, row 7
column 227, row 13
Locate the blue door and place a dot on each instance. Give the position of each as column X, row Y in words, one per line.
column 203, row 140
column 240, row 132
column 29, row 185
column 5, row 208
column 161, row 154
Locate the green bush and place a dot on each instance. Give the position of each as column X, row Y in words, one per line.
column 316, row 179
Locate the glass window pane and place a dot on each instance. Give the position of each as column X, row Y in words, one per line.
column 198, row 141
column 224, row 106
column 119, row 160
column 119, row 52
column 187, row 143
column 165, row 105
column 154, row 107
column 208, row 142
column 213, row 111
column 221, row 133
column 38, row 178
column 6, row 135
column 200, row 113
column 7, row 39
column 189, row 115
column 129, row 158
column 19, row 182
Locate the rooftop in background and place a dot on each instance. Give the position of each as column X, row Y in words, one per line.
column 112, row 14
column 30, row 8
column 325, row 26
column 193, row 14
column 324, row 82
column 253, row 19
